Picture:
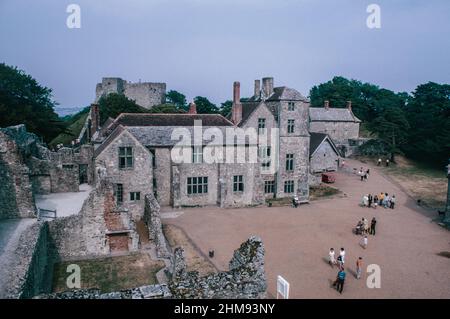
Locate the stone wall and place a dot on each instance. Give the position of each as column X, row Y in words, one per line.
column 324, row 159
column 340, row 132
column 245, row 279
column 87, row 234
column 32, row 272
column 152, row 218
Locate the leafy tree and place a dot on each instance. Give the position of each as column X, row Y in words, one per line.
column 166, row 108
column 113, row 104
column 178, row 99
column 24, row 101
column 205, row 106
column 225, row 107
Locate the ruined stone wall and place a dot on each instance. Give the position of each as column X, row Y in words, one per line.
column 16, row 192
column 152, row 218
column 324, row 159
column 245, row 279
column 139, row 178
column 87, row 234
column 32, row 272
column 162, row 173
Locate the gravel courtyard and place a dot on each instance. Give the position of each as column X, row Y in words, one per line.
column 297, row 241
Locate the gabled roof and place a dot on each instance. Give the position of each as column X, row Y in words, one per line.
column 164, row 119
column 284, row 93
column 322, row 114
column 111, row 137
column 317, row 139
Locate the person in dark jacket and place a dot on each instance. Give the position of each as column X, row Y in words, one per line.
column 340, row 280
column 373, row 224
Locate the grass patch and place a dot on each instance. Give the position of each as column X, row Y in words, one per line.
column 110, row 273
column 195, row 261
column 74, row 129
column 322, row 191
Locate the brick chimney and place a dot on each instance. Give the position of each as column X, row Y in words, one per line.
column 257, row 88
column 192, row 108
column 95, row 118
column 236, row 109
column 349, row 105
column 267, row 86
column 326, row 104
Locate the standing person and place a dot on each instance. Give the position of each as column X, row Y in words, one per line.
column 387, row 162
column 370, row 200
column 364, row 242
column 373, row 224
column 365, row 200
column 379, row 162
column 361, row 174
column 386, row 200
column 331, row 257
column 375, row 201
column 366, row 226
column 342, row 255
column 295, row 201
column 340, row 280
column 359, row 264
column 380, row 199
column 392, row 201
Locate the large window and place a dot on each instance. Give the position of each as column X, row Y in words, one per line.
column 119, row 194
column 125, row 157
column 197, row 154
column 289, row 186
column 264, row 154
column 238, row 183
column 261, row 126
column 135, row 196
column 269, row 187
column 289, row 162
column 291, row 126
column 291, row 106
column 197, row 185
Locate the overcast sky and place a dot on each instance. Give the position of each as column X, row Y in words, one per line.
column 199, row 47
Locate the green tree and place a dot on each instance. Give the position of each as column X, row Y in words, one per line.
column 178, row 99
column 113, row 104
column 166, row 108
column 204, row 106
column 225, row 107
column 24, row 101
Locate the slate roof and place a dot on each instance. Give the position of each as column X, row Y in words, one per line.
column 178, row 119
column 316, row 139
column 284, row 93
column 117, row 131
column 321, row 114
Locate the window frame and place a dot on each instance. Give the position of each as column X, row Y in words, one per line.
column 289, row 162
column 238, row 183
column 269, row 187
column 262, row 125
column 126, row 157
column 290, row 126
column 291, row 106
column 196, row 183
column 119, row 193
column 289, row 186
column 135, row 196
column 197, row 157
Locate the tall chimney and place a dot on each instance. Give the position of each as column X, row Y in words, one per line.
column 192, row 108
column 95, row 118
column 326, row 104
column 267, row 86
column 257, row 88
column 349, row 105
column 236, row 109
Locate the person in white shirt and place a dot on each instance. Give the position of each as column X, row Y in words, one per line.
column 342, row 254
column 364, row 242
column 331, row 257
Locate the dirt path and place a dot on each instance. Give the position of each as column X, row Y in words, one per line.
column 297, row 241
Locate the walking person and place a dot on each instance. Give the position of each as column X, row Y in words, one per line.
column 387, row 162
column 392, row 202
column 370, row 200
column 342, row 255
column 366, row 226
column 373, row 224
column 359, row 264
column 361, row 174
column 331, row 257
column 340, row 280
column 379, row 162
column 364, row 242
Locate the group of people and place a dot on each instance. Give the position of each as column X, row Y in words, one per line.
column 383, row 199
column 340, row 261
column 363, row 227
column 364, row 174
column 380, row 161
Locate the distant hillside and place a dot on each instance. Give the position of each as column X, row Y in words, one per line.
column 75, row 124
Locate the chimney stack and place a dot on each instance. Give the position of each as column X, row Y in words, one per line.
column 267, row 86
column 349, row 105
column 326, row 104
column 192, row 108
column 257, row 88
column 236, row 109
column 95, row 118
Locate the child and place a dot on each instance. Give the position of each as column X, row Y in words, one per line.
column 332, row 259
column 364, row 242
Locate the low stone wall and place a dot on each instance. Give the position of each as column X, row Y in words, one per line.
column 32, row 273
column 245, row 279
column 152, row 218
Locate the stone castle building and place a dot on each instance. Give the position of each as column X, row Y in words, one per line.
column 145, row 94
column 340, row 124
column 135, row 151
